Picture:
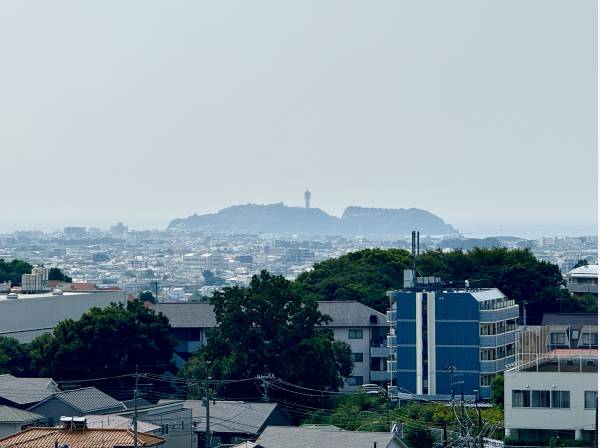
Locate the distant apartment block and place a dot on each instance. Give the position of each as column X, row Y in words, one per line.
column 37, row 281
column 440, row 336
column 74, row 231
column 363, row 328
column 583, row 280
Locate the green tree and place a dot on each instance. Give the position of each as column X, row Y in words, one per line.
column 13, row 270
column 114, row 339
column 580, row 263
column 147, row 296
column 497, row 391
column 267, row 327
column 57, row 274
column 364, row 275
column 14, row 357
column 419, row 438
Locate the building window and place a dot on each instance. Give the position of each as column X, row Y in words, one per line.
column 588, row 338
column 511, row 324
column 355, row 333
column 487, row 354
column 487, row 329
column 500, row 327
column 557, row 338
column 540, row 398
column 485, row 379
column 521, row 399
column 561, row 399
column 590, row 399
column 500, row 352
column 355, row 380
column 357, row 357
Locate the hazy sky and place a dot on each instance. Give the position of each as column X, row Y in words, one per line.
column 483, row 112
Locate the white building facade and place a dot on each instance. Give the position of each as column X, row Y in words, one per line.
column 552, row 397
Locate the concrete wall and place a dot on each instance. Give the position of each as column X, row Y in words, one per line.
column 573, row 418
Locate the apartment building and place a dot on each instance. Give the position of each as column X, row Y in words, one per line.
column 552, row 396
column 446, row 340
column 583, row 280
column 362, row 327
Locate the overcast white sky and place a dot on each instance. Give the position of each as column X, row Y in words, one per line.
column 483, row 112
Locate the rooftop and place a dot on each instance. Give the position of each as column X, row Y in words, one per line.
column 574, row 319
column 22, row 391
column 314, row 437
column 85, row 438
column 230, row 416
column 561, row 361
column 14, row 415
column 89, row 399
column 584, row 271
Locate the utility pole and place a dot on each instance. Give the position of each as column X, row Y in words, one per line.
column 206, row 400
column 135, row 409
column 265, row 386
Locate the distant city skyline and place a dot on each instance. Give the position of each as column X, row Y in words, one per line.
column 484, row 113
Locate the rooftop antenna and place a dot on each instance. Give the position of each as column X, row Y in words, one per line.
column 415, row 254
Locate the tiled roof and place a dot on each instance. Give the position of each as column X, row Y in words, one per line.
column 21, row 391
column 307, row 437
column 570, row 319
column 89, row 399
column 231, row 416
column 188, row 315
column 85, row 438
column 350, row 313
column 14, row 415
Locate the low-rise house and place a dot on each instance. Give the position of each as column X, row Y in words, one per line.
column 315, row 437
column 77, row 402
column 234, row 421
column 553, row 395
column 13, row 420
column 583, row 280
column 25, row 392
column 571, row 330
column 175, row 421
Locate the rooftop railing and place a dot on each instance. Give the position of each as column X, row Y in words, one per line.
column 557, row 362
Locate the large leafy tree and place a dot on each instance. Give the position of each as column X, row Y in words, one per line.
column 269, row 328
column 14, row 357
column 366, row 275
column 111, row 340
column 13, row 270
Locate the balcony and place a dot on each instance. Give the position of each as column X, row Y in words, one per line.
column 380, row 375
column 391, row 366
column 390, row 316
column 380, row 352
column 391, row 340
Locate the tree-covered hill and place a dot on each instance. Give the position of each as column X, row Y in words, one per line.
column 367, row 274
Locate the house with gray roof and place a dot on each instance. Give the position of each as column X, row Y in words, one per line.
column 233, row 421
column 77, row 402
column 325, row 437
column 13, row 420
column 24, row 392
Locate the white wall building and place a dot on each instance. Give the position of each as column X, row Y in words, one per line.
column 30, row 315
column 553, row 395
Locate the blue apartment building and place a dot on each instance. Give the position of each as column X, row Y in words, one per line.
column 464, row 336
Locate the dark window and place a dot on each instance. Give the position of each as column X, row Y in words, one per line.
column 561, row 399
column 521, row 399
column 355, row 333
column 590, row 399
column 540, row 398
column 355, row 380
column 357, row 357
